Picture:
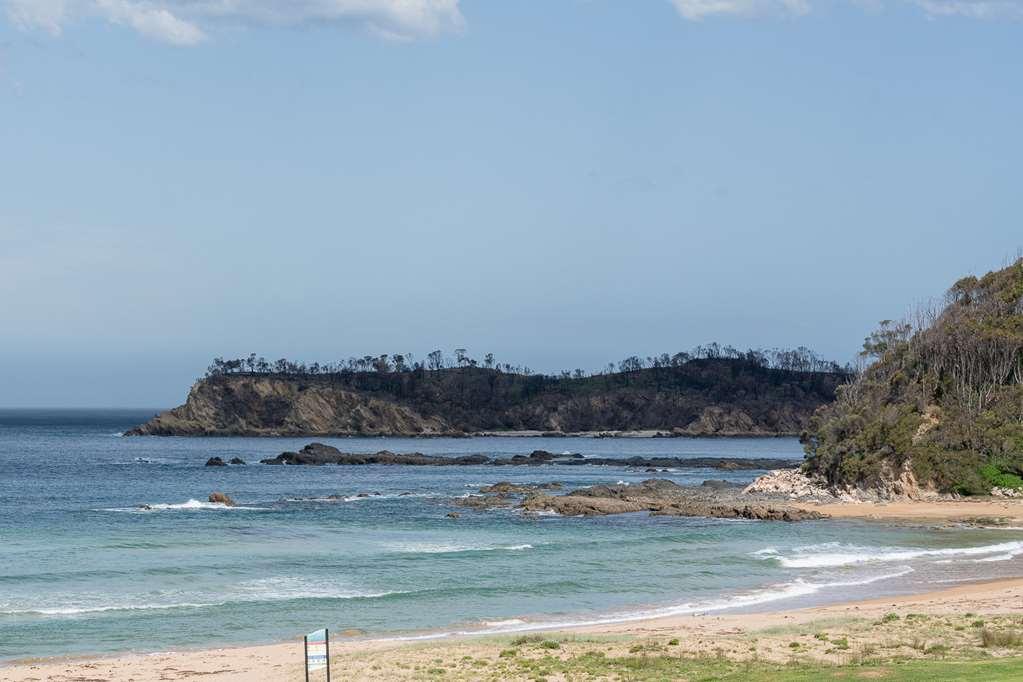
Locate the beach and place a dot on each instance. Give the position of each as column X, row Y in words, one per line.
column 123, row 555
column 835, row 635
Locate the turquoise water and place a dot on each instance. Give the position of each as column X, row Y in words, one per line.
column 84, row 570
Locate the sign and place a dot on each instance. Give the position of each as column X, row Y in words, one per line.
column 317, row 652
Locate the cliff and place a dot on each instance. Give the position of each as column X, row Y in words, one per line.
column 941, row 407
column 703, row 397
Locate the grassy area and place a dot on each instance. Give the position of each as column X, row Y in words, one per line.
column 891, row 646
column 672, row 668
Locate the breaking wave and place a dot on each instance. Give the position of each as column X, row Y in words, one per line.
column 834, row 554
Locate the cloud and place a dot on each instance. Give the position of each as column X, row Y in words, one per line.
column 695, row 10
column 48, row 15
column 187, row 22
column 973, row 9
column 154, row 22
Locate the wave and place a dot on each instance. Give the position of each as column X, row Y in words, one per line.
column 82, row 610
column 362, row 497
column 445, row 548
column 190, row 505
column 833, row 554
column 252, row 592
column 796, row 588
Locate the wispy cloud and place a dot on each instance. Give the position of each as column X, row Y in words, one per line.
column 974, row 9
column 698, row 9
column 188, row 22
column 695, row 10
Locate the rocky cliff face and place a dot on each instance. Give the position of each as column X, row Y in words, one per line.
column 701, row 398
column 270, row 406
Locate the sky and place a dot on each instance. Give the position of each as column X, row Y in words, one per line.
column 562, row 183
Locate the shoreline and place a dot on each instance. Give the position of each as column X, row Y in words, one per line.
column 282, row 660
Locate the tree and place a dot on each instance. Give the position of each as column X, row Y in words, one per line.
column 435, row 360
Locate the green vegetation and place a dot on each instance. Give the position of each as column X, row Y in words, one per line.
column 665, row 668
column 943, row 399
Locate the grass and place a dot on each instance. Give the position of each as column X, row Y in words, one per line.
column 666, row 668
column 1001, row 639
column 937, row 647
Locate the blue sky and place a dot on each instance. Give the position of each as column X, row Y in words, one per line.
column 561, row 183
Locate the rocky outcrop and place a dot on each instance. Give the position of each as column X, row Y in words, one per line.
column 215, row 462
column 892, row 484
column 662, row 498
column 270, row 406
column 704, row 397
column 221, row 498
column 320, row 454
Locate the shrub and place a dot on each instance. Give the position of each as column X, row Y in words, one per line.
column 1001, row 639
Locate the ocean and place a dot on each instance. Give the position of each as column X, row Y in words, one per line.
column 84, row 569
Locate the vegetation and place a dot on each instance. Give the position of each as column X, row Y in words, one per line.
column 943, row 397
column 755, row 390
column 938, row 647
column 800, row 359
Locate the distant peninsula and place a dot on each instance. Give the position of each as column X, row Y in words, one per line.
column 711, row 391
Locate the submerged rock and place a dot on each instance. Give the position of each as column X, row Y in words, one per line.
column 509, row 487
column 237, row 460
column 215, row 462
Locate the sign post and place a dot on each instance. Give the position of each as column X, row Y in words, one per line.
column 317, row 652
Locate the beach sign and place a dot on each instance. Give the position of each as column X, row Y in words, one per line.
column 317, row 652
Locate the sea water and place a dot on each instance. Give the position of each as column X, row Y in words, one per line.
column 84, row 568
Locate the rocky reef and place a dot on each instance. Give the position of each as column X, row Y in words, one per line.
column 659, row 497
column 318, row 454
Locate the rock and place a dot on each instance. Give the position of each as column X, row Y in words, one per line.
column 319, row 454
column 453, row 515
column 507, row 487
column 481, row 502
column 215, row 462
column 790, row 482
column 720, row 485
column 221, row 498
column 237, row 460
column 1007, row 492
column 662, row 498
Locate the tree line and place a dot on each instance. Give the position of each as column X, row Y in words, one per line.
column 800, row 359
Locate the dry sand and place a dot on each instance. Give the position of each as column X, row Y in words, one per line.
column 942, row 616
column 982, row 511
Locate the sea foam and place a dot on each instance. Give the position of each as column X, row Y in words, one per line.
column 190, row 505
column 833, row 554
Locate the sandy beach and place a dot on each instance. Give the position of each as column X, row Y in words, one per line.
column 946, row 621
column 980, row 511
